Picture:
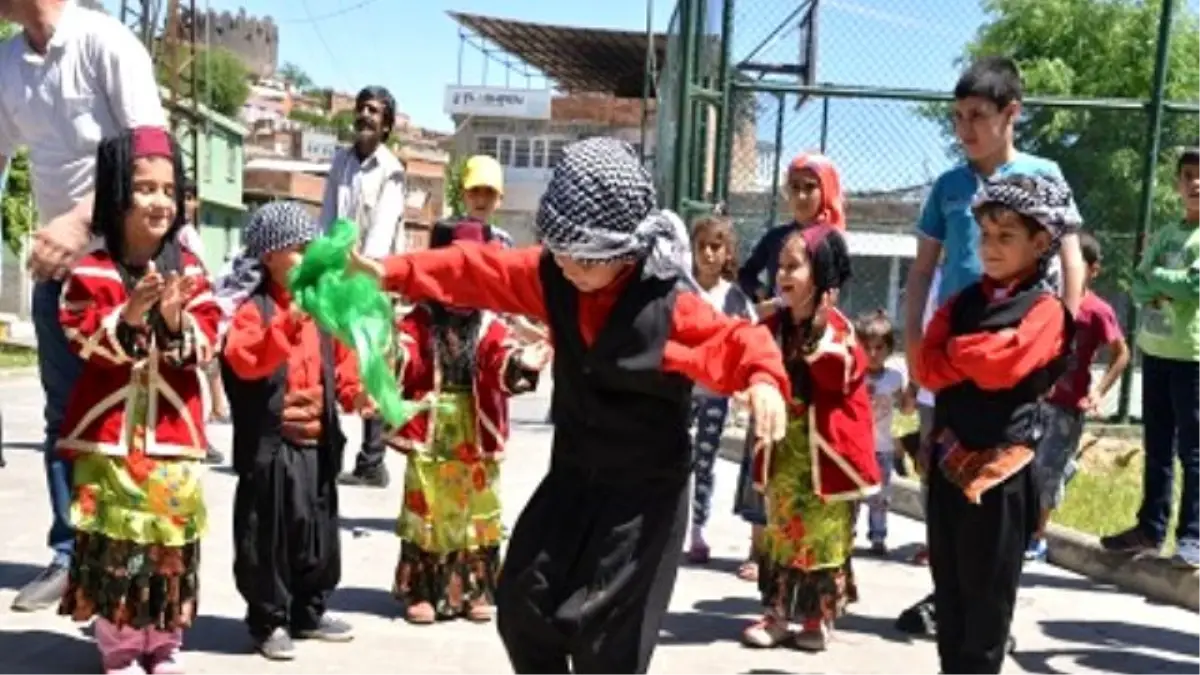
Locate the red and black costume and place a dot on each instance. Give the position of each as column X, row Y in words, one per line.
column 991, row 354
column 593, row 558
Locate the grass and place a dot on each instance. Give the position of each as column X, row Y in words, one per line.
column 17, row 356
column 1106, row 493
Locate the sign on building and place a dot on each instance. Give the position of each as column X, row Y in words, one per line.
column 531, row 104
column 317, row 146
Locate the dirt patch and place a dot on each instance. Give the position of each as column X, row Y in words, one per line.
column 1103, row 454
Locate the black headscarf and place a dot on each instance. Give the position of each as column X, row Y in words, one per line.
column 829, row 262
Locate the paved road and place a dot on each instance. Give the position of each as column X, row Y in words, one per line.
column 1064, row 623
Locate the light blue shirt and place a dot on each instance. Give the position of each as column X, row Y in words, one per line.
column 947, row 218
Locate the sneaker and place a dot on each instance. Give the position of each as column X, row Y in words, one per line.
column 278, row 646
column 45, row 590
column 1132, row 541
column 213, row 456
column 1187, row 553
column 920, row 619
column 878, row 549
column 328, row 629
column 766, row 632
column 814, row 640
column 378, row 478
column 1037, row 550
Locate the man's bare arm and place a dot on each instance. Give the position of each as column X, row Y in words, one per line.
column 1074, row 271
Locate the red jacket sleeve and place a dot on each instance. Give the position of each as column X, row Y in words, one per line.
column 838, row 361
column 471, row 275
column 346, row 378
column 89, row 312
column 202, row 314
column 253, row 350
column 722, row 353
column 1000, row 359
column 408, row 348
column 934, row 369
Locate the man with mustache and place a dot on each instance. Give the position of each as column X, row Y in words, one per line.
column 366, row 184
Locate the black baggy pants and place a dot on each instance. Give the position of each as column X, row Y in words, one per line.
column 287, row 554
column 975, row 555
column 589, row 573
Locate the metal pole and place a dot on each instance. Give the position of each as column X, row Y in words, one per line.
column 683, row 139
column 1149, row 164
column 648, row 73
column 782, row 101
column 824, row 124
column 725, row 129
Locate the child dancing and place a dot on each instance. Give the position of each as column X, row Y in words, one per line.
column 590, row 568
column 465, row 363
column 990, row 355
column 137, row 311
column 826, row 461
column 714, row 249
column 284, row 378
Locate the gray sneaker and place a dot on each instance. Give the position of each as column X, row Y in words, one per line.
column 328, row 629
column 46, row 590
column 278, row 646
column 1187, row 553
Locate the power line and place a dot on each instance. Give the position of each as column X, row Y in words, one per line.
column 313, row 19
column 321, row 38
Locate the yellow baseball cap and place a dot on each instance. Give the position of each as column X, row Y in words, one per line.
column 483, row 171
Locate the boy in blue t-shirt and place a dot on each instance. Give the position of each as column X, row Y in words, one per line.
column 987, row 103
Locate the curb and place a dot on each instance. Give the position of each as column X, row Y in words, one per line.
column 18, row 372
column 1152, row 577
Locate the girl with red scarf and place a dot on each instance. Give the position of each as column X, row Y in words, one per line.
column 138, row 311
column 826, row 461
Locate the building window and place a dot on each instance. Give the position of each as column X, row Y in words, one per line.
column 522, row 153
column 555, row 151
column 487, row 145
column 537, row 152
column 505, row 146
column 231, row 163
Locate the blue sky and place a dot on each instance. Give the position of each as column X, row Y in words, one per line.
column 412, row 47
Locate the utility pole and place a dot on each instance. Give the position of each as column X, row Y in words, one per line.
column 174, row 50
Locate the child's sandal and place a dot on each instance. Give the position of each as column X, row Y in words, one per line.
column 420, row 614
column 748, row 571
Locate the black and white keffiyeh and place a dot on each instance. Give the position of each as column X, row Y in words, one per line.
column 1044, row 198
column 600, row 206
column 276, row 226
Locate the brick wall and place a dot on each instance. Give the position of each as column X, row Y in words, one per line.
column 602, row 109
column 284, row 185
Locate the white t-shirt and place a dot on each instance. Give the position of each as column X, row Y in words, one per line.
column 884, row 386
column 369, row 192
column 95, row 80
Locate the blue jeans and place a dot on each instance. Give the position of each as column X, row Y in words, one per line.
column 878, row 503
column 59, row 368
column 1171, row 427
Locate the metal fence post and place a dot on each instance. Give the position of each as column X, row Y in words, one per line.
column 683, row 140
column 1149, row 165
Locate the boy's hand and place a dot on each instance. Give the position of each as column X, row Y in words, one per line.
column 1091, row 403
column 360, row 263
column 769, row 412
column 908, row 401
column 535, row 356
column 364, row 405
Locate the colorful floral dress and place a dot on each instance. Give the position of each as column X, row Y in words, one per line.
column 450, row 524
column 804, row 574
column 138, row 523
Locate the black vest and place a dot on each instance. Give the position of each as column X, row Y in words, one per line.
column 617, row 415
column 1016, row 416
column 257, row 406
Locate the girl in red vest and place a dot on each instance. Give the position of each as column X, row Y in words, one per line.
column 465, row 363
column 826, row 461
column 138, row 311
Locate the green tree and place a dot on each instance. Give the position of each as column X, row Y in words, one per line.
column 222, row 81
column 16, row 187
column 454, row 179
column 1096, row 49
column 295, row 76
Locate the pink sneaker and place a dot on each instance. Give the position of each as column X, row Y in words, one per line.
column 163, row 655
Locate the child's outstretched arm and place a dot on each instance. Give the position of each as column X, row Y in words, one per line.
column 515, row 368
column 93, row 316
column 1000, row 359
column 468, row 275
column 255, row 350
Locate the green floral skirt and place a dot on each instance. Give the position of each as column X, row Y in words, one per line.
column 804, row 573
column 138, row 522
column 450, row 525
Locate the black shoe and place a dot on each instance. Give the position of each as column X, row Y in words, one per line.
column 277, row 646
column 377, row 478
column 45, row 590
column 328, row 629
column 214, row 456
column 1132, row 541
column 919, row 619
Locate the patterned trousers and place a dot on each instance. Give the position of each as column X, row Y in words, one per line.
column 708, row 414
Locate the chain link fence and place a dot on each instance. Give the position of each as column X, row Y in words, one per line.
column 865, row 82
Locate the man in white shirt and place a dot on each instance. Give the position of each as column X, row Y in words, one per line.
column 71, row 77
column 366, row 185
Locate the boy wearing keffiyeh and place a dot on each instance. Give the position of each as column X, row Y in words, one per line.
column 593, row 558
column 991, row 354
